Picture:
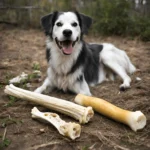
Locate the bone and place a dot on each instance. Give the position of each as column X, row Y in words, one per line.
column 24, row 76
column 83, row 114
column 19, row 78
column 71, row 130
column 135, row 120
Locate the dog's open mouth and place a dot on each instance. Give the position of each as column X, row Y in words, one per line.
column 66, row 46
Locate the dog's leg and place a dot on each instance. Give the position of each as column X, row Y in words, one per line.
column 122, row 73
column 44, row 86
column 115, row 59
column 48, row 82
column 102, row 74
column 81, row 87
column 111, row 76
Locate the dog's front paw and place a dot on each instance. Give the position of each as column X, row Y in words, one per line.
column 38, row 90
column 124, row 87
column 85, row 93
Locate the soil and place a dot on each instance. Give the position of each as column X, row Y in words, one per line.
column 20, row 49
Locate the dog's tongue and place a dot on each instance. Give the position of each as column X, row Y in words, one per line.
column 67, row 49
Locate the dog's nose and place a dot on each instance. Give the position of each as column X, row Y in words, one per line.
column 67, row 33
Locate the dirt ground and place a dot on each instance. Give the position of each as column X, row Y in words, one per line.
column 21, row 49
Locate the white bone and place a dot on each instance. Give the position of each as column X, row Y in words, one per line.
column 71, row 130
column 24, row 76
column 18, row 79
column 81, row 113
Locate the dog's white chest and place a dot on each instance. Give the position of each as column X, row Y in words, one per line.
column 63, row 81
column 61, row 65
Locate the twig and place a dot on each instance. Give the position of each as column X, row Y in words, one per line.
column 103, row 139
column 92, row 146
column 44, row 145
column 4, row 135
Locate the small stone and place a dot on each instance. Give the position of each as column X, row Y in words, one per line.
column 42, row 130
column 138, row 79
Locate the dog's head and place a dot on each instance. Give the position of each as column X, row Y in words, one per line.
column 66, row 28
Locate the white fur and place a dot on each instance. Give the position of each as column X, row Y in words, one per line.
column 66, row 19
column 60, row 64
column 119, row 63
column 59, row 61
column 112, row 61
column 64, row 82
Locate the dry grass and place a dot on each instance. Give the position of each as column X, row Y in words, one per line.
column 20, row 49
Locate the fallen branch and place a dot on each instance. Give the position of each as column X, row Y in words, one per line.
column 71, row 130
column 83, row 114
column 135, row 120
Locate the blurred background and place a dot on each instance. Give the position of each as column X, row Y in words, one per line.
column 111, row 17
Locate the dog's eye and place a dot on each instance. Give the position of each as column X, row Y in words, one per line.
column 59, row 24
column 74, row 24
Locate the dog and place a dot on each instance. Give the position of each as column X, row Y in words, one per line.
column 74, row 65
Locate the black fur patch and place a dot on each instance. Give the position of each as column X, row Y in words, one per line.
column 48, row 22
column 48, row 54
column 89, row 60
column 84, row 21
column 91, row 70
column 80, row 78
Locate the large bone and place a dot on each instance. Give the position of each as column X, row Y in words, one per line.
column 135, row 120
column 71, row 130
column 83, row 114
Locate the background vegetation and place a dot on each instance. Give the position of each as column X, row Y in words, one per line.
column 110, row 17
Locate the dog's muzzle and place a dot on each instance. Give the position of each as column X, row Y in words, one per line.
column 66, row 46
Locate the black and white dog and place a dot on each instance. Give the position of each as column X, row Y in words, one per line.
column 75, row 64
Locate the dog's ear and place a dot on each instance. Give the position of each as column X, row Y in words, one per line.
column 48, row 21
column 85, row 22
